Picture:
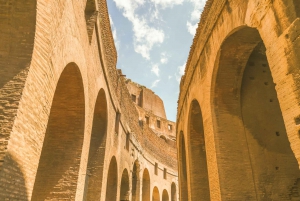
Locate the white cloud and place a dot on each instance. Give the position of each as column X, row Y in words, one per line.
column 154, row 84
column 192, row 24
column 155, row 69
column 181, row 69
column 170, row 77
column 180, row 72
column 145, row 37
column 166, row 3
column 164, row 58
column 191, row 28
column 114, row 32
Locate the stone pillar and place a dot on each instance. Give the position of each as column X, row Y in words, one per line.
column 284, row 60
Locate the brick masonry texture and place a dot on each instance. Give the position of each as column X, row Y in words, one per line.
column 243, row 72
column 60, row 92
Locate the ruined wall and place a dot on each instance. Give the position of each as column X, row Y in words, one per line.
column 59, row 106
column 153, row 117
column 243, row 72
column 147, row 99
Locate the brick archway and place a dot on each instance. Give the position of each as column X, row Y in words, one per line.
column 155, row 194
column 251, row 138
column 183, row 184
column 146, row 186
column 59, row 160
column 197, row 172
column 112, row 180
column 124, row 191
column 97, row 149
column 136, row 181
column 165, row 195
column 173, row 192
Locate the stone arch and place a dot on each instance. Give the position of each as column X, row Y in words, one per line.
column 112, row 180
column 59, row 160
column 165, row 195
column 136, row 181
column 124, row 192
column 183, row 184
column 251, row 139
column 97, row 149
column 155, row 194
column 198, row 173
column 173, row 192
column 146, row 186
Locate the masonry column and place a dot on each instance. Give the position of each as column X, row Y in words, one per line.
column 284, row 59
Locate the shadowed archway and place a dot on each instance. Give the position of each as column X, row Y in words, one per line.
column 97, row 149
column 251, row 139
column 58, row 168
column 146, row 186
column 183, row 189
column 136, row 181
column 173, row 192
column 124, row 192
column 112, row 181
column 198, row 172
column 155, row 194
column 165, row 195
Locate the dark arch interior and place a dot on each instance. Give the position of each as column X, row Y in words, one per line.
column 155, row 194
column 136, row 182
column 97, row 149
column 124, row 192
column 173, row 192
column 198, row 163
column 251, row 141
column 146, row 186
column 165, row 195
column 183, row 172
column 163, row 137
column 61, row 152
column 112, row 181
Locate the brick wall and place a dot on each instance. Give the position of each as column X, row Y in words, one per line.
column 213, row 77
column 46, row 119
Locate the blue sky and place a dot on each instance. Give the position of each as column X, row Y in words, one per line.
column 153, row 39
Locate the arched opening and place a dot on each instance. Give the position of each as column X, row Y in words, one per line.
column 155, row 194
column 97, row 149
column 136, row 181
column 173, row 192
column 163, row 137
column 183, row 173
column 58, row 168
column 112, row 181
column 251, row 140
column 146, row 186
column 124, row 192
column 198, row 165
column 165, row 195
